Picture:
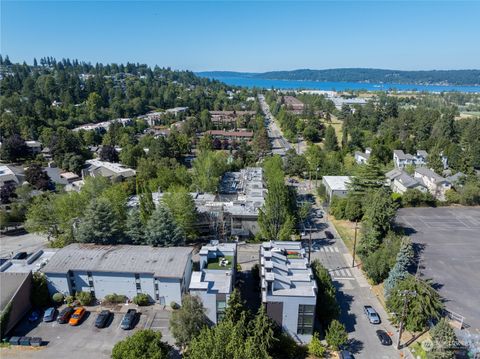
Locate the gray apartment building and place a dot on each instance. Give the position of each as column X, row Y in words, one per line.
column 161, row 273
column 289, row 290
column 215, row 280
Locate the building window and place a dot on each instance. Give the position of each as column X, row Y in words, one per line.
column 306, row 314
column 221, row 306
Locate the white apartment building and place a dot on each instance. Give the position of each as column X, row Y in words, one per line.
column 215, row 280
column 289, row 290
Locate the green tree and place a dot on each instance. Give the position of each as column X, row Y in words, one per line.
column 405, row 259
column 330, row 142
column 13, row 148
column 423, row 307
column 208, row 167
column 367, row 177
column 161, row 229
column 182, row 206
column 146, row 202
column 94, row 104
column 235, row 307
column 353, row 208
column 39, row 295
column 380, row 210
column 187, row 322
column 134, row 228
column 434, row 160
column 444, row 341
column 144, row 344
column 100, row 224
column 327, row 308
column 336, row 335
column 37, row 177
column 205, row 143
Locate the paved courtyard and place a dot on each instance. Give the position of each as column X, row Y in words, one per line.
column 449, row 239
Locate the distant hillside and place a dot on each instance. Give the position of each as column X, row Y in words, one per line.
column 432, row 77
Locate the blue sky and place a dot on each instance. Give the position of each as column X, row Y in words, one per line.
column 246, row 35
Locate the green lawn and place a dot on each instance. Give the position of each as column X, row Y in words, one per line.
column 214, row 263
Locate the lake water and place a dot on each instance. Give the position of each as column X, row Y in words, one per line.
column 337, row 86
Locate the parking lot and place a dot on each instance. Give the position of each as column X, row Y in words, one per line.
column 449, row 243
column 85, row 340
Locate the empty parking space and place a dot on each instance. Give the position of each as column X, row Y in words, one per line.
column 448, row 240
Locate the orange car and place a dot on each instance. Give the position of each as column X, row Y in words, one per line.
column 77, row 316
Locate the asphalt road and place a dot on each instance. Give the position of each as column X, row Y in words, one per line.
column 353, row 290
column 14, row 242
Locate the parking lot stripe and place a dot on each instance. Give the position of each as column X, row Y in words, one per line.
column 336, row 249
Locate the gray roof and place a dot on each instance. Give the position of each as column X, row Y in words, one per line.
column 337, row 183
column 10, row 284
column 431, row 174
column 161, row 262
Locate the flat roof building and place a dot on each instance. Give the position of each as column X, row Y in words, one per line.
column 215, row 280
column 336, row 186
column 14, row 298
column 161, row 273
column 289, row 290
column 113, row 171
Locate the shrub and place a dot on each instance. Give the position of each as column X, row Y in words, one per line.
column 58, row 298
column 336, row 335
column 114, row 298
column 316, row 347
column 39, row 295
column 69, row 299
column 174, row 305
column 141, row 299
column 85, row 298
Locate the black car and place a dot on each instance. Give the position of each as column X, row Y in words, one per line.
column 102, row 319
column 128, row 320
column 384, row 337
column 64, row 316
column 329, row 235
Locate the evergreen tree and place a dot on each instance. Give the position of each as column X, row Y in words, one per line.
column 161, row 229
column 434, row 160
column 330, row 142
column 369, row 176
column 99, row 224
column 444, row 341
column 422, row 307
column 146, row 202
column 261, row 338
column 380, row 210
column 134, row 227
column 405, row 258
column 326, row 299
column 235, row 307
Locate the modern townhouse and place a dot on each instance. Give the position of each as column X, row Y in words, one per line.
column 402, row 159
column 400, row 181
column 215, row 280
column 436, row 184
column 288, row 287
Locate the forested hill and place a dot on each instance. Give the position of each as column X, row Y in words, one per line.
column 433, row 77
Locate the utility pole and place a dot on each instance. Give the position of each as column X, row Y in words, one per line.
column 405, row 294
column 354, row 244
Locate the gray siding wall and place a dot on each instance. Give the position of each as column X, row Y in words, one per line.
column 58, row 282
column 20, row 303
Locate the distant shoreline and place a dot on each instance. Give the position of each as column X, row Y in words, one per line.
column 284, row 84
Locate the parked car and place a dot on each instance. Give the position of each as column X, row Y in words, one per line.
column 64, row 315
column 49, row 315
column 371, row 314
column 34, row 316
column 77, row 316
column 384, row 337
column 329, row 235
column 128, row 320
column 102, row 319
column 345, row 354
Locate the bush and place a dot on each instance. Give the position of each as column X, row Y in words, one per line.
column 58, row 298
column 69, row 299
column 174, row 305
column 316, row 347
column 114, row 298
column 85, row 298
column 141, row 299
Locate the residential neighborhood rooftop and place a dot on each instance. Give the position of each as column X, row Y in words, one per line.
column 337, row 183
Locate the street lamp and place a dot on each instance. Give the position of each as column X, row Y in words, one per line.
column 404, row 294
